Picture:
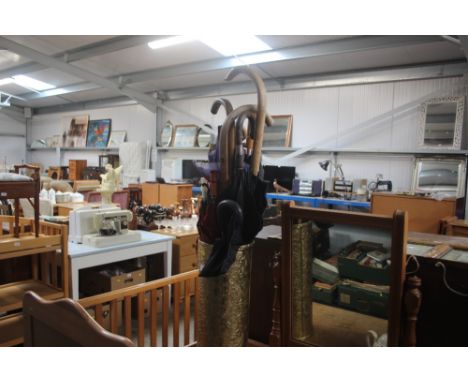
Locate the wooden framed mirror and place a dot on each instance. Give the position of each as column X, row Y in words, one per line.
column 436, row 175
column 167, row 134
column 441, row 123
column 342, row 275
column 280, row 133
column 185, row 135
column 203, row 137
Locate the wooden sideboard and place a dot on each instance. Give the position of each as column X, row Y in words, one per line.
column 443, row 315
column 424, row 214
column 184, row 249
column 174, row 193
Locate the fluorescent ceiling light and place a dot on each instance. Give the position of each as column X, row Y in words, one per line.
column 6, row 81
column 31, row 83
column 235, row 45
column 170, row 41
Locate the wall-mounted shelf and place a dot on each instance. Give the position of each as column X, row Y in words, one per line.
column 182, row 149
column 289, row 150
column 106, row 149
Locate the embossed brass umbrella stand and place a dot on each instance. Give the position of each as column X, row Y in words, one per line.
column 225, row 263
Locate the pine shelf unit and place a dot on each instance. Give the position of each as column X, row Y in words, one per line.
column 49, row 269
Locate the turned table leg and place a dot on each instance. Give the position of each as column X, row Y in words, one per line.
column 412, row 302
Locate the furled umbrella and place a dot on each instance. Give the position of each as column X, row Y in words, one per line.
column 207, row 225
column 241, row 189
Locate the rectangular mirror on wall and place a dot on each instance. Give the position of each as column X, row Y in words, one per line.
column 442, row 123
column 279, row 134
column 440, row 175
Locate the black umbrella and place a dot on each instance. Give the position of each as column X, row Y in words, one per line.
column 208, row 228
column 243, row 201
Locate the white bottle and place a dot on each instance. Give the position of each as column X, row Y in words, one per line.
column 52, row 196
column 44, row 194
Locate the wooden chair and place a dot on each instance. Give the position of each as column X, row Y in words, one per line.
column 63, row 322
column 93, row 197
column 122, row 198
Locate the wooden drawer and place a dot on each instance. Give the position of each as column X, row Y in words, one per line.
column 11, row 330
column 188, row 263
column 184, row 254
column 186, row 246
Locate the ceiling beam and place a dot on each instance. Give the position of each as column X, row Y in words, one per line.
column 14, row 112
column 146, row 100
column 85, row 105
column 346, row 45
column 327, row 48
column 324, row 80
column 81, row 53
column 464, row 44
column 52, row 62
column 439, row 70
column 451, row 39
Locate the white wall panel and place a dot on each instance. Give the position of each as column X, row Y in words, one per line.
column 359, row 104
column 12, row 149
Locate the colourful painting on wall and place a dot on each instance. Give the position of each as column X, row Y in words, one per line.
column 74, row 131
column 98, row 133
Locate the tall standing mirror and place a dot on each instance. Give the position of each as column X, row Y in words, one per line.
column 442, row 122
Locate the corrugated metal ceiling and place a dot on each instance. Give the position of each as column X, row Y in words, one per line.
column 141, row 58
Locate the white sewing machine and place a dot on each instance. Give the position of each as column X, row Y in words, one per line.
column 101, row 226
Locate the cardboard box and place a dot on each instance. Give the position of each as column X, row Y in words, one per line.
column 106, row 315
column 351, row 268
column 364, row 298
column 324, row 293
column 147, row 305
column 110, row 277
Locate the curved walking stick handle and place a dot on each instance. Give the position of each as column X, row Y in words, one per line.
column 229, row 205
column 221, row 102
column 261, row 106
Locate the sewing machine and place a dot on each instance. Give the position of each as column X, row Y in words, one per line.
column 102, row 226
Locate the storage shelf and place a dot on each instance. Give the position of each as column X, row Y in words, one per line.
column 28, row 244
column 111, row 149
column 321, row 151
column 11, row 295
column 289, row 150
column 178, row 149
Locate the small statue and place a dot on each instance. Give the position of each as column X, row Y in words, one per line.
column 110, row 183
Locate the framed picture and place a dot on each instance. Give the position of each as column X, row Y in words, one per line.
column 279, row 134
column 185, row 135
column 74, row 131
column 116, row 138
column 98, row 133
